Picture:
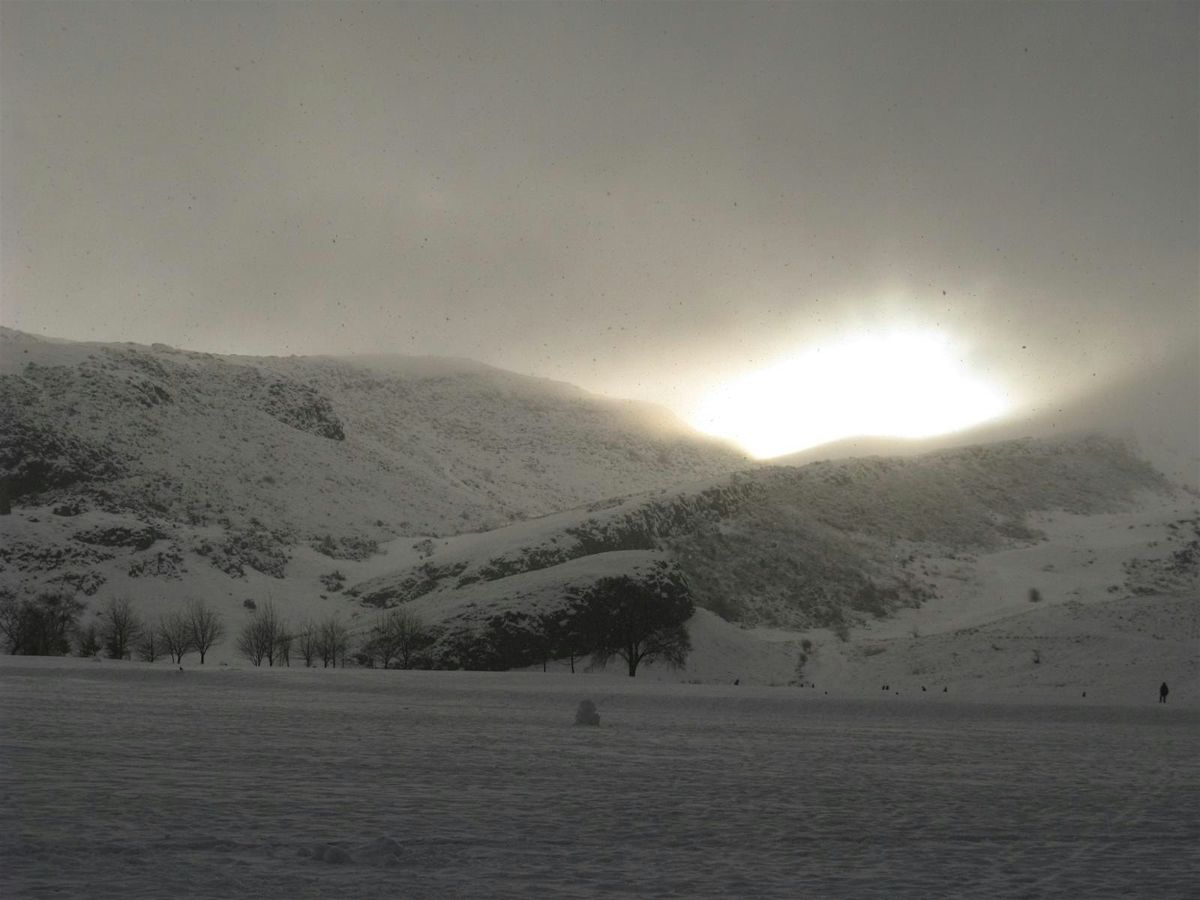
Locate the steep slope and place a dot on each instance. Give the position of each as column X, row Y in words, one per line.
column 356, row 451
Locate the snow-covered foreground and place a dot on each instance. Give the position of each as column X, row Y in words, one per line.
column 126, row 780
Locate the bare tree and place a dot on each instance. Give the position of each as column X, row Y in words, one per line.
column 175, row 632
column 43, row 626
column 411, row 635
column 308, row 640
column 260, row 638
column 121, row 629
column 374, row 650
column 150, row 647
column 249, row 643
column 567, row 635
column 207, row 627
column 273, row 630
column 334, row 642
column 10, row 619
column 283, row 646
column 400, row 635
column 18, row 623
column 253, row 641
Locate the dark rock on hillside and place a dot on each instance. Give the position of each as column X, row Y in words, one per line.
column 36, row 459
column 120, row 536
column 1176, row 573
column 261, row 550
column 302, row 408
column 416, row 582
column 29, row 557
column 167, row 563
column 346, row 547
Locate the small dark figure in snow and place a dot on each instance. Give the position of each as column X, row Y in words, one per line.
column 945, row 690
column 1162, row 692
column 737, row 681
column 922, row 689
column 586, row 714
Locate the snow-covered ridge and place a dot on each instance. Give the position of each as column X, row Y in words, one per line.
column 825, row 544
column 312, row 446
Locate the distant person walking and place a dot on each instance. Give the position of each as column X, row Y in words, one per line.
column 1163, row 690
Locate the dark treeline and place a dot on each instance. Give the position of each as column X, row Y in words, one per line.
column 635, row 620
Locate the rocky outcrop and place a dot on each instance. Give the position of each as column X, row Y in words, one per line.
column 38, row 459
column 139, row 538
column 260, row 550
column 303, row 408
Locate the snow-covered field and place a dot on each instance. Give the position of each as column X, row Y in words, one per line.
column 127, row 780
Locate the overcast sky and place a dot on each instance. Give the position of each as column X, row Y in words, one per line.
column 644, row 200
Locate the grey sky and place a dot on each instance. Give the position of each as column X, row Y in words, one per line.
column 641, row 199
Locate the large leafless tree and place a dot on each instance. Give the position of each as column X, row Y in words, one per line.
column 308, row 641
column 207, row 627
column 175, row 633
column 262, row 637
column 121, row 627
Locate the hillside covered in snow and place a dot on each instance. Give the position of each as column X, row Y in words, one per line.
column 474, row 498
column 356, row 450
column 832, row 545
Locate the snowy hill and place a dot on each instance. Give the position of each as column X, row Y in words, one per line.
column 473, row 497
column 798, row 546
column 832, row 545
column 356, row 450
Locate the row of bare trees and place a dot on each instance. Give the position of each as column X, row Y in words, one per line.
column 48, row 625
column 638, row 620
column 268, row 638
column 122, row 632
column 397, row 641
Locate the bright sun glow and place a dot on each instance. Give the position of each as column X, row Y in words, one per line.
column 910, row 384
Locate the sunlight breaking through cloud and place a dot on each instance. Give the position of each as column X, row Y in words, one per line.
column 906, row 384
